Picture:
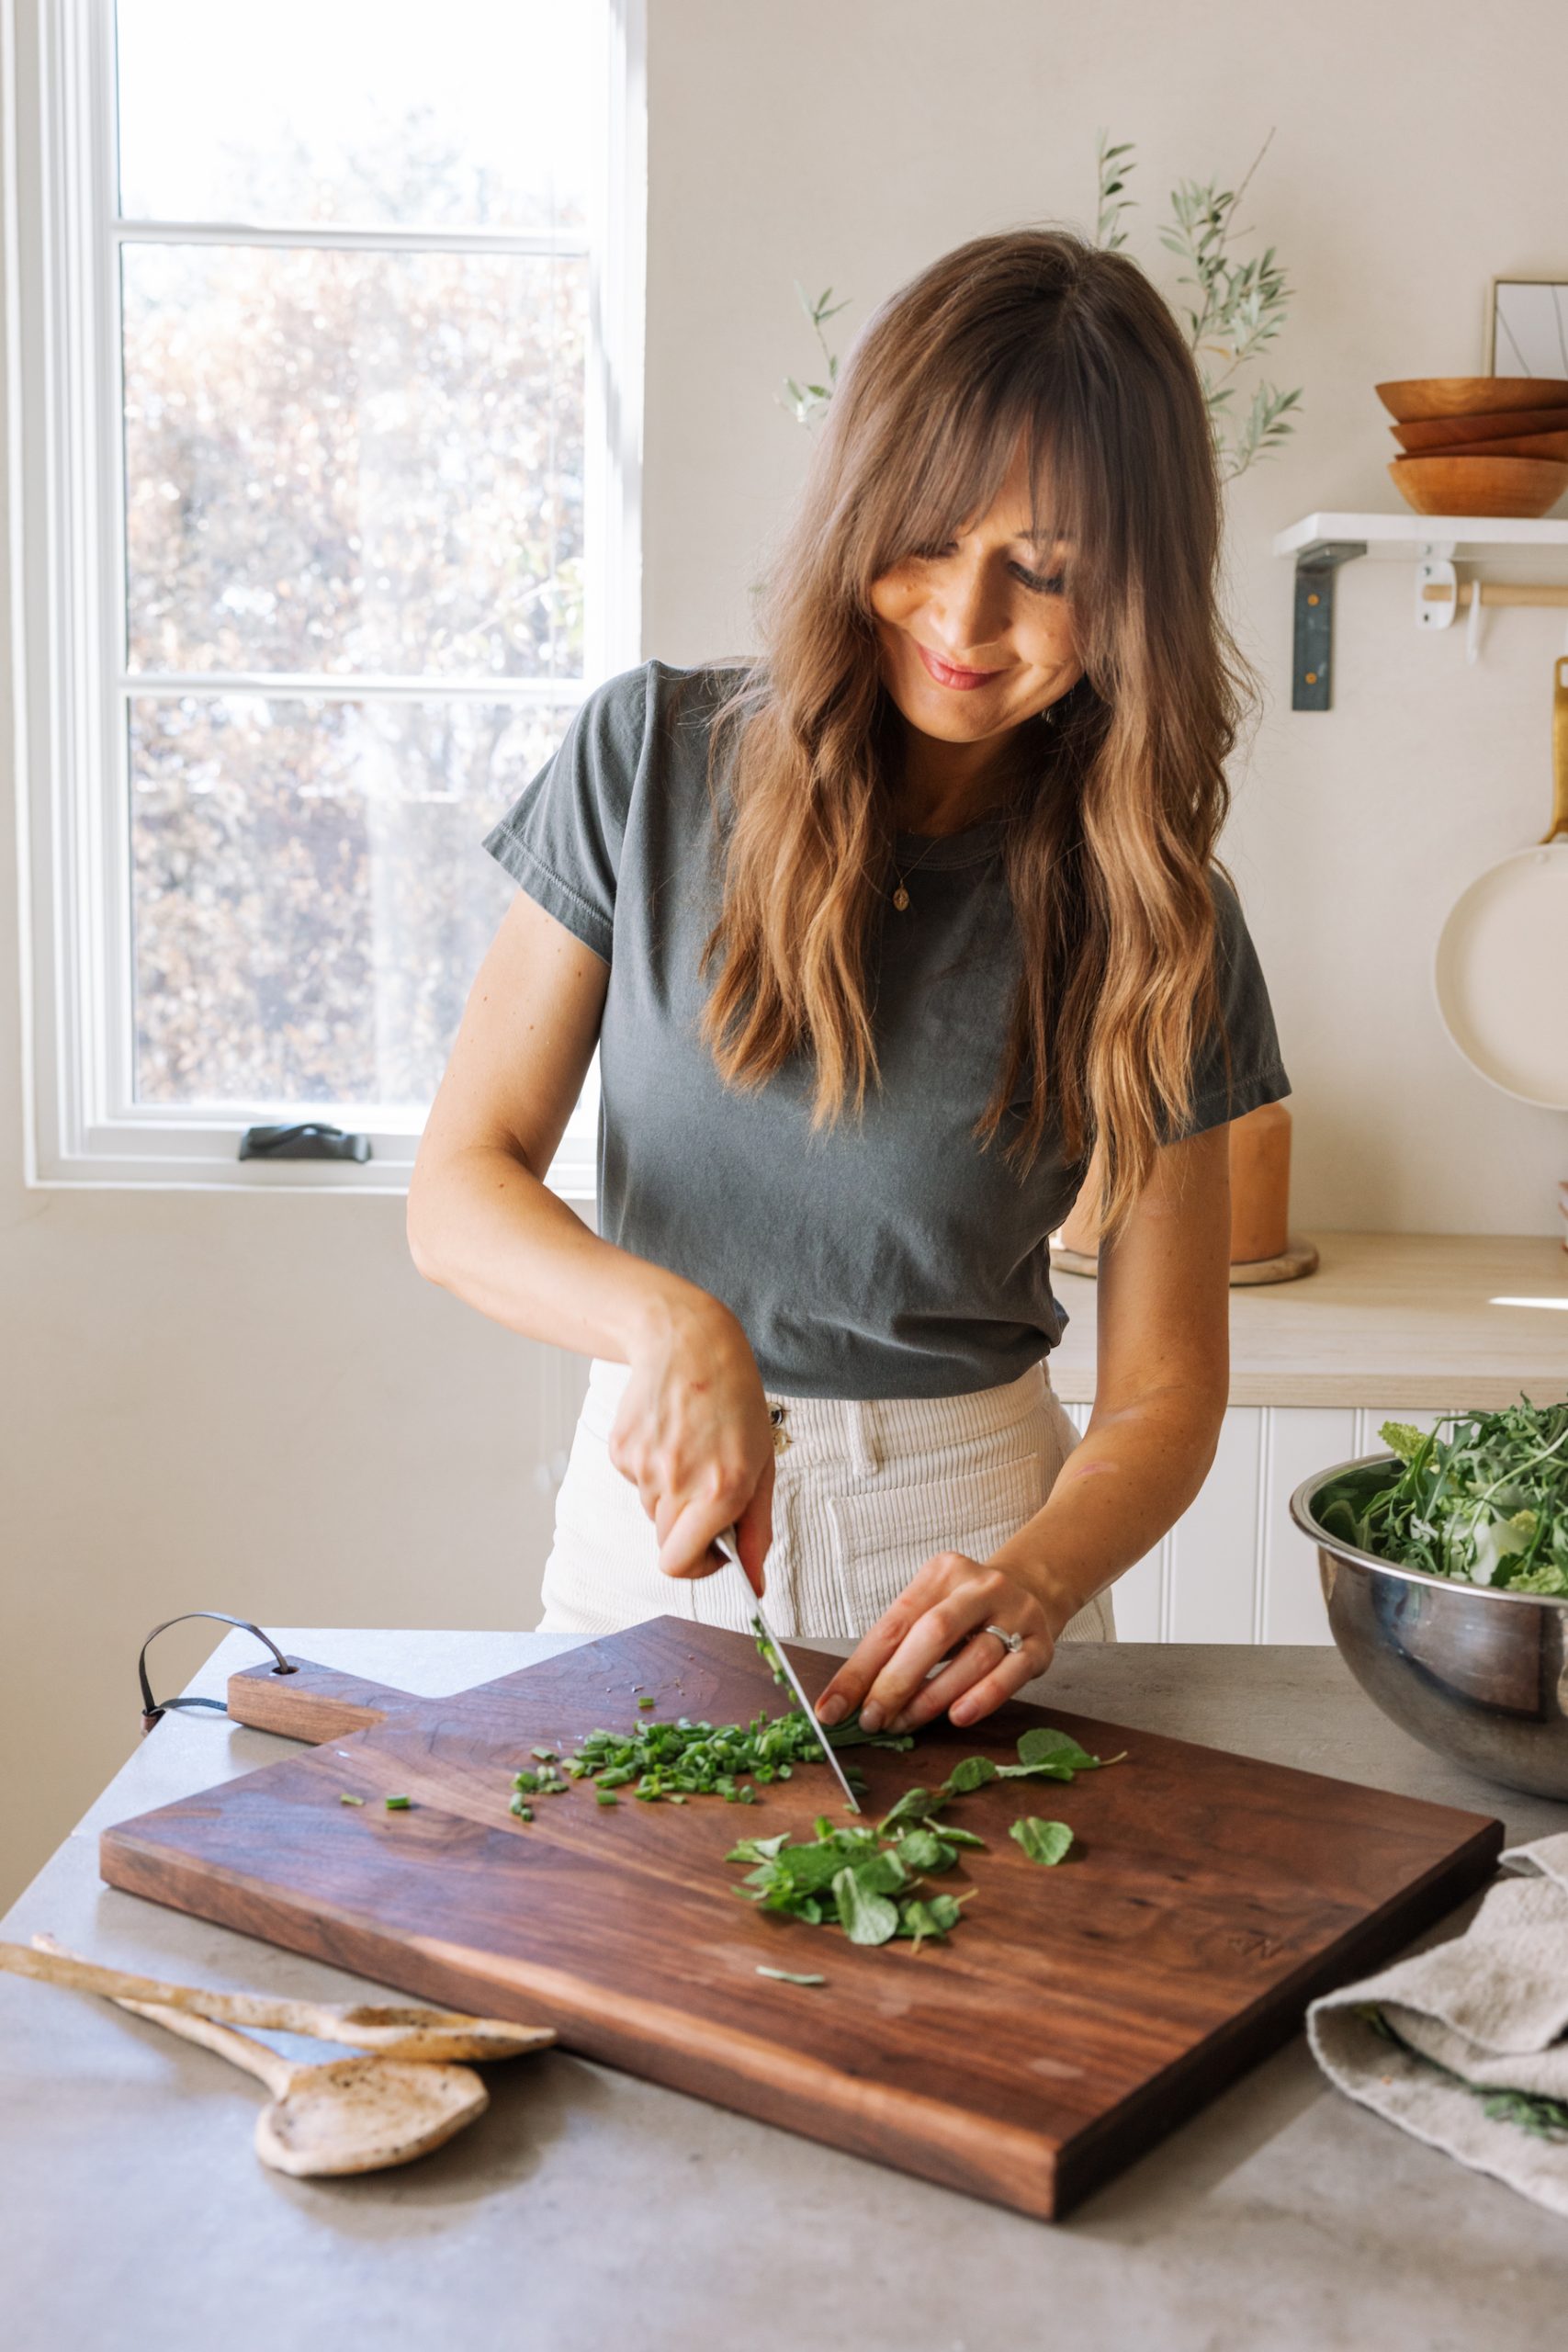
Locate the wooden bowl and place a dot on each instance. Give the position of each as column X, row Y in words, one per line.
column 1425, row 396
column 1514, row 445
column 1422, row 433
column 1480, row 485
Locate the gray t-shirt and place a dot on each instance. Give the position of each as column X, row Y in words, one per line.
column 888, row 1257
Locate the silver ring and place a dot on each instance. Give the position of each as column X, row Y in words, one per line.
column 1011, row 1642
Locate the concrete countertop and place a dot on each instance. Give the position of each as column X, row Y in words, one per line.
column 588, row 2209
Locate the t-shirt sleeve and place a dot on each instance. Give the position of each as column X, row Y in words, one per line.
column 561, row 838
column 1258, row 1074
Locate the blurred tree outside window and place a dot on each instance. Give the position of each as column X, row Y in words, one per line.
column 353, row 294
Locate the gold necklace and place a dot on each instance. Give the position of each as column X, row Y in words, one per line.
column 901, row 896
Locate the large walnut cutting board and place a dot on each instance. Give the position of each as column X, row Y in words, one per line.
column 1074, row 2017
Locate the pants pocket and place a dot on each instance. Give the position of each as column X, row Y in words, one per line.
column 882, row 1537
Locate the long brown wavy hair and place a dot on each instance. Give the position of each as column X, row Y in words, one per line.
column 1110, row 815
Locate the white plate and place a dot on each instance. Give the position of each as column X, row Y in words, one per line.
column 1501, row 975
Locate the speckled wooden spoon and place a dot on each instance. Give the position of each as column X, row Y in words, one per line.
column 348, row 2115
column 393, row 2031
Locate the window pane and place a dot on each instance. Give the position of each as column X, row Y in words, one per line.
column 352, row 461
column 311, row 897
column 369, row 113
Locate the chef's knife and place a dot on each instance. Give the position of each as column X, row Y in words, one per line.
column 760, row 1626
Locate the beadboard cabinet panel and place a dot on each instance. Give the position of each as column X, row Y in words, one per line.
column 1298, row 1440
column 1213, row 1546
column 1236, row 1567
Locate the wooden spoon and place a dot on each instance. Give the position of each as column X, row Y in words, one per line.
column 432, row 2035
column 350, row 2115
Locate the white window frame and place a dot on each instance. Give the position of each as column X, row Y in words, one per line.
column 64, row 594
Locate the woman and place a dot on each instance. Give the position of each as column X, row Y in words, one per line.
column 881, row 937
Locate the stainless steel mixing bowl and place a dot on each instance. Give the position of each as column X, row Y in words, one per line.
column 1478, row 1674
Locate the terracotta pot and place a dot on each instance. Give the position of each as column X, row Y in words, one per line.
column 1260, row 1190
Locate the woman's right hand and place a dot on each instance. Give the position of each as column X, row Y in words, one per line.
column 692, row 1433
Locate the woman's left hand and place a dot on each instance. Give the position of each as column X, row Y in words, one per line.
column 943, row 1613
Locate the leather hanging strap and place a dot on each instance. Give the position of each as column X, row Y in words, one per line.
column 152, row 1709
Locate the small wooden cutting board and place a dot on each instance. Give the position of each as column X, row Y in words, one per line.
column 1073, row 2018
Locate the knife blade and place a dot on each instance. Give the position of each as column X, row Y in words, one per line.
column 760, row 1626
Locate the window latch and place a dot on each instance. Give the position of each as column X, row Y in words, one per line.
column 311, row 1139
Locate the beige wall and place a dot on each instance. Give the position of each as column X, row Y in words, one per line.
column 254, row 1402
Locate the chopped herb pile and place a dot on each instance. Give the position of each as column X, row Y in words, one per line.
column 871, row 1882
column 674, row 1761
column 856, row 1879
column 1486, row 1503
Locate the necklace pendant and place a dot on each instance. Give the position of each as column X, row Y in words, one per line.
column 900, row 897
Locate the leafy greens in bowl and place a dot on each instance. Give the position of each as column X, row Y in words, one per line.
column 1482, row 1498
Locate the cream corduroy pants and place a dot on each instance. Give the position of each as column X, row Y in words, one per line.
column 864, row 1492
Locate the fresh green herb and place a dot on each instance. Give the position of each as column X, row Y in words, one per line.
column 1044, row 1741
column 919, row 1919
column 950, row 1835
column 604, row 1796
column 768, row 1654
column 849, row 1878
column 545, row 1755
column 972, row 1774
column 758, row 1849
column 913, row 1805
column 850, row 1734
column 399, row 1805
column 1486, row 1503
column 1043, row 1841
column 1545, row 2118
column 346, row 1799
column 521, row 1807
column 684, row 1758
column 865, row 1915
column 1044, row 1753
column 789, row 1976
column 647, row 1703
column 923, row 1849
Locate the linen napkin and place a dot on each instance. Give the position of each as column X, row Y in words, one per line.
column 1471, row 2022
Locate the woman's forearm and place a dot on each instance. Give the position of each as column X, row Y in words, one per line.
column 483, row 1226
column 1128, row 1479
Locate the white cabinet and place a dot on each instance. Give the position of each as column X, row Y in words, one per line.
column 1236, row 1567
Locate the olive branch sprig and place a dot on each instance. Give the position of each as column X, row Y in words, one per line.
column 806, row 402
column 1240, row 305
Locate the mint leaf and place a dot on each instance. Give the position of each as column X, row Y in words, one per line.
column 865, row 1919
column 1043, row 1841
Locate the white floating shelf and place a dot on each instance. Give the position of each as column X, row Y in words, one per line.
column 1406, row 534
column 1434, row 543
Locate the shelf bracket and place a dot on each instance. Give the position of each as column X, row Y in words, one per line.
column 1314, row 650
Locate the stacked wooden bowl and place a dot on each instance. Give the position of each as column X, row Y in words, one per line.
column 1479, row 444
